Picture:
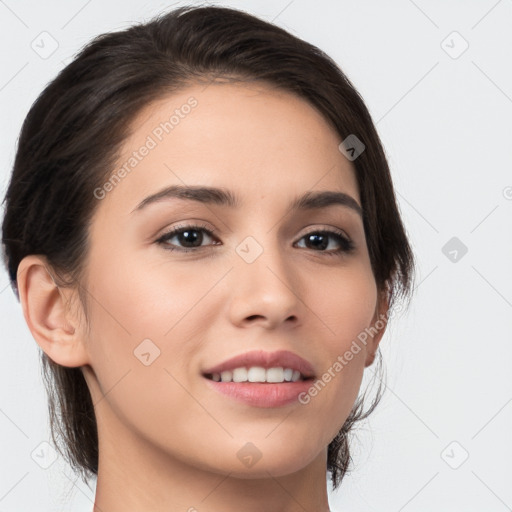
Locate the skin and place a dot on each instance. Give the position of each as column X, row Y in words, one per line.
column 166, row 441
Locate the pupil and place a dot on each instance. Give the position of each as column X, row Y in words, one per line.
column 190, row 239
column 316, row 238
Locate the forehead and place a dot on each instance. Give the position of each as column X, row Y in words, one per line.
column 245, row 136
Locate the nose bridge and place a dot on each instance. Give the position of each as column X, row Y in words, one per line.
column 264, row 282
column 263, row 258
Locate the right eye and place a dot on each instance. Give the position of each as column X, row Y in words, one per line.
column 191, row 236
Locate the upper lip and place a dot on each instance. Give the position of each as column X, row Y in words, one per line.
column 280, row 358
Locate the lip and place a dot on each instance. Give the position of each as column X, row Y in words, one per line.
column 279, row 358
column 262, row 394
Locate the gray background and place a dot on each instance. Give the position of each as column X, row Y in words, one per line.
column 443, row 112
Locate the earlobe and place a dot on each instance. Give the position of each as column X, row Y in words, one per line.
column 47, row 313
column 377, row 328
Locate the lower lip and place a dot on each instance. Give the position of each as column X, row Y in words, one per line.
column 262, row 394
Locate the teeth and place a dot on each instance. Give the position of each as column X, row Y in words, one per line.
column 239, row 375
column 275, row 375
column 226, row 376
column 258, row 374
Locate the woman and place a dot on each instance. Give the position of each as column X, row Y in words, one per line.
column 202, row 231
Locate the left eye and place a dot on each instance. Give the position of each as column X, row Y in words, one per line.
column 320, row 240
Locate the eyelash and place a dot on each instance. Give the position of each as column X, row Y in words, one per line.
column 347, row 246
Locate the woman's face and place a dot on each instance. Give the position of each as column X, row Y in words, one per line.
column 266, row 279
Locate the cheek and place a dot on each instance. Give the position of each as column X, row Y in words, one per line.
column 149, row 300
column 146, row 329
column 344, row 302
column 155, row 313
column 345, row 306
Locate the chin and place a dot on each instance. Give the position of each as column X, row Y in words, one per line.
column 260, row 459
column 277, row 467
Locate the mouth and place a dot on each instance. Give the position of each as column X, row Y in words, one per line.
column 258, row 366
column 256, row 386
column 258, row 375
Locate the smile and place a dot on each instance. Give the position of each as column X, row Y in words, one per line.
column 257, row 374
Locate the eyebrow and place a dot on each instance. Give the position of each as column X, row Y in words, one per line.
column 311, row 200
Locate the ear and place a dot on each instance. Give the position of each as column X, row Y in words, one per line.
column 48, row 315
column 377, row 327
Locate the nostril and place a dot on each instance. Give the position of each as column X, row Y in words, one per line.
column 254, row 317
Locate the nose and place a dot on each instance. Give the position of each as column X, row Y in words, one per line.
column 265, row 291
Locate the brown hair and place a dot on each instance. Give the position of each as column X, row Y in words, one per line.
column 90, row 104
